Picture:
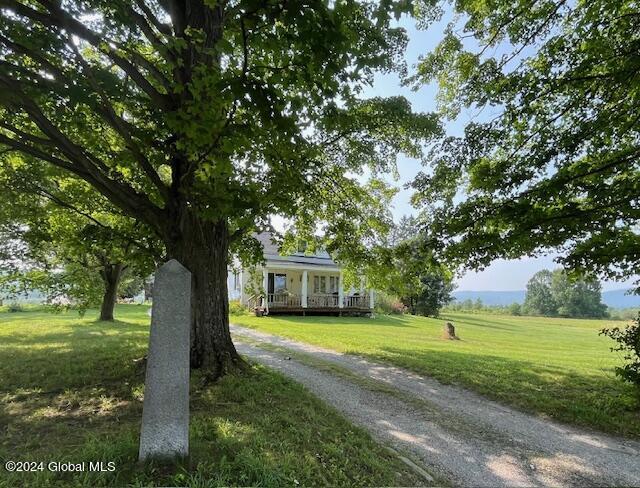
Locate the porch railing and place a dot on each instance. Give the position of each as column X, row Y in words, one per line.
column 361, row 301
column 286, row 300
column 322, row 301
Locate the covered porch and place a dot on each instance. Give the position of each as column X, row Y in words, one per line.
column 310, row 290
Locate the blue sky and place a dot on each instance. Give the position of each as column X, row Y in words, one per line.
column 502, row 274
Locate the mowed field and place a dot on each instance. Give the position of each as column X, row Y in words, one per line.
column 557, row 368
column 71, row 391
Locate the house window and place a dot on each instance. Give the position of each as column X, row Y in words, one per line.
column 334, row 282
column 280, row 283
column 319, row 284
column 277, row 283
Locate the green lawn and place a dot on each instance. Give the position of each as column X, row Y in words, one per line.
column 558, row 368
column 71, row 390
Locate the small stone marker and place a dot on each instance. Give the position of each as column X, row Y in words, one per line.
column 165, row 415
column 449, row 332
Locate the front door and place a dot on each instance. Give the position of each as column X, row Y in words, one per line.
column 276, row 283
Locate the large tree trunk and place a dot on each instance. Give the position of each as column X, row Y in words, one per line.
column 111, row 274
column 202, row 247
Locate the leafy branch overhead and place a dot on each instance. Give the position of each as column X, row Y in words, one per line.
column 201, row 120
column 110, row 92
column 551, row 159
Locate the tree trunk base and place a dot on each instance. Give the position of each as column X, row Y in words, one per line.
column 226, row 365
column 203, row 249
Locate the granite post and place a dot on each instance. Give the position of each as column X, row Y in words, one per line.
column 165, row 417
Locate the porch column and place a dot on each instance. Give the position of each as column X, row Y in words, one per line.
column 340, row 292
column 371, row 298
column 265, row 285
column 305, row 280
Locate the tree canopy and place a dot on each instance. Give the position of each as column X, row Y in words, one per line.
column 66, row 241
column 551, row 158
column 559, row 294
column 200, row 120
column 423, row 285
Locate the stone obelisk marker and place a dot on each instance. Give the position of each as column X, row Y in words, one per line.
column 165, row 415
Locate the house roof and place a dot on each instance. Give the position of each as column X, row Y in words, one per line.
column 272, row 254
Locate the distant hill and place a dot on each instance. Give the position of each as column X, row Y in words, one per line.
column 491, row 297
column 613, row 298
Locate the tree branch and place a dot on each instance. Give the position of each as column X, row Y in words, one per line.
column 59, row 19
column 116, row 123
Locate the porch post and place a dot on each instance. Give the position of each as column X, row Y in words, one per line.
column 371, row 298
column 304, row 288
column 265, row 285
column 340, row 292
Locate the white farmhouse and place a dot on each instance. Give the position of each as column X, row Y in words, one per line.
column 299, row 283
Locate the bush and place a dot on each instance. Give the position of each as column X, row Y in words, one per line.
column 623, row 313
column 628, row 340
column 237, row 308
column 515, row 309
column 389, row 305
column 14, row 307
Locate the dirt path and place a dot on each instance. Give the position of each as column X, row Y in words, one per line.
column 451, row 432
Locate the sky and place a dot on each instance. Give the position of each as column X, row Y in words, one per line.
column 501, row 275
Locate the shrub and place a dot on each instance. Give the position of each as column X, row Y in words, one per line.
column 515, row 309
column 14, row 307
column 623, row 313
column 237, row 308
column 389, row 305
column 628, row 340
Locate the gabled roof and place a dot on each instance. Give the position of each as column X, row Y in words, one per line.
column 272, row 253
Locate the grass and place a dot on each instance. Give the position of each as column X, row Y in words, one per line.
column 557, row 368
column 71, row 391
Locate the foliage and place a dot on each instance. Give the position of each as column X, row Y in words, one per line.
column 577, row 297
column 539, row 299
column 552, row 161
column 557, row 293
column 231, row 114
column 434, row 292
column 131, row 286
column 423, row 285
column 386, row 304
column 63, row 241
column 237, row 308
column 477, row 306
column 628, row 340
column 255, row 285
column 556, row 367
column 14, row 307
column 515, row 309
column 624, row 313
column 202, row 120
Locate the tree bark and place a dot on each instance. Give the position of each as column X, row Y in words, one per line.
column 202, row 247
column 111, row 275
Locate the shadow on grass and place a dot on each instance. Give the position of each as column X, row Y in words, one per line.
column 382, row 321
column 74, row 393
column 600, row 401
column 479, row 322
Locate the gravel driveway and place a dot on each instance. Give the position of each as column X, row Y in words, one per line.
column 454, row 434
